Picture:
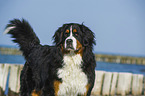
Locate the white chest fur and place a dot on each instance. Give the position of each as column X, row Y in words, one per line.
column 74, row 80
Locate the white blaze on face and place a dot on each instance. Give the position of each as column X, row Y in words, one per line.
column 74, row 41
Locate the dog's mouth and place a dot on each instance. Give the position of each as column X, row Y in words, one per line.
column 70, row 47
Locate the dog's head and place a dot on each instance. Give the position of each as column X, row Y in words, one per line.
column 74, row 37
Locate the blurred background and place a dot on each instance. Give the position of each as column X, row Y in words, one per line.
column 119, row 27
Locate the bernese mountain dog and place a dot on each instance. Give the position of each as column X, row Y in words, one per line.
column 65, row 69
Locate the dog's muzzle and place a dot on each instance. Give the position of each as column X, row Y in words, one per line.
column 69, row 44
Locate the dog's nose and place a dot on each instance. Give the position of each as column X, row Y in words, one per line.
column 69, row 41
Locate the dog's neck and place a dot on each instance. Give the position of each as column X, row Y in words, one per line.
column 72, row 59
column 74, row 80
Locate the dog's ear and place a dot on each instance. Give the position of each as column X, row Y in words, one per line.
column 57, row 37
column 88, row 36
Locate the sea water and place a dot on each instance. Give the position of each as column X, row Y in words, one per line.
column 111, row 67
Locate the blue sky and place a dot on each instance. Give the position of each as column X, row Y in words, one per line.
column 119, row 25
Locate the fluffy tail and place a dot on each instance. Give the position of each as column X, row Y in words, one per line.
column 23, row 34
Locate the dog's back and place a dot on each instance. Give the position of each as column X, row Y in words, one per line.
column 67, row 68
column 33, row 74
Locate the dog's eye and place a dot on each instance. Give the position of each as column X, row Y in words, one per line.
column 76, row 33
column 66, row 32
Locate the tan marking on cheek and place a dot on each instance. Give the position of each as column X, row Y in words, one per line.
column 35, row 93
column 79, row 46
column 62, row 48
column 56, row 87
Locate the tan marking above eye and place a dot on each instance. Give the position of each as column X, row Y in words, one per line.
column 67, row 31
column 75, row 30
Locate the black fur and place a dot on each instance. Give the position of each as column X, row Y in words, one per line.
column 42, row 62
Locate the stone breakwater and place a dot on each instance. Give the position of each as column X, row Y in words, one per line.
column 99, row 57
